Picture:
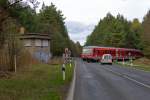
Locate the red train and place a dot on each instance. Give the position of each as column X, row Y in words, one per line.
column 94, row 53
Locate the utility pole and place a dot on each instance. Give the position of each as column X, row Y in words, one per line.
column 15, row 62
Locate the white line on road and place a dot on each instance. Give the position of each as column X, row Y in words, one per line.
column 127, row 77
column 72, row 88
column 131, row 79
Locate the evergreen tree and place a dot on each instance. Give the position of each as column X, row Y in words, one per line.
column 136, row 28
column 116, row 32
column 51, row 21
column 146, row 34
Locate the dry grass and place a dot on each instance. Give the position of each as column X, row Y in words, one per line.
column 39, row 82
column 4, row 60
column 56, row 61
column 142, row 61
column 24, row 58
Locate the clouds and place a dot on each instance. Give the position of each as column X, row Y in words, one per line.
column 91, row 11
column 80, row 36
column 132, row 8
column 79, row 31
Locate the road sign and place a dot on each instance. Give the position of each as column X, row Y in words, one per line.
column 66, row 59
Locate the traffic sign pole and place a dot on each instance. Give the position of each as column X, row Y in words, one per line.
column 66, row 59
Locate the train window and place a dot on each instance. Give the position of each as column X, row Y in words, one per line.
column 109, row 51
column 97, row 52
column 87, row 51
column 94, row 50
column 102, row 52
column 106, row 52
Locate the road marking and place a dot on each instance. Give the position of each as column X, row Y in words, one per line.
column 131, row 79
column 127, row 77
column 72, row 88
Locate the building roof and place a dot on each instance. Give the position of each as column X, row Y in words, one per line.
column 35, row 36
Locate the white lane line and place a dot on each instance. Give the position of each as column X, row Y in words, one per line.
column 129, row 78
column 72, row 88
column 119, row 74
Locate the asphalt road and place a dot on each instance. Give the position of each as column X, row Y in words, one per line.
column 110, row 82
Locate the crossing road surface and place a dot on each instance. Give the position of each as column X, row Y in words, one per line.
column 110, row 82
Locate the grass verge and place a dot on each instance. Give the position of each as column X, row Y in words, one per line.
column 141, row 64
column 38, row 82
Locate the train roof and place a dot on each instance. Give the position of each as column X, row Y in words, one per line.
column 110, row 47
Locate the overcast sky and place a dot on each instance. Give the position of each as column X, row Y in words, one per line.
column 90, row 11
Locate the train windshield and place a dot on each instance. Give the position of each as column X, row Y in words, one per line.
column 87, row 51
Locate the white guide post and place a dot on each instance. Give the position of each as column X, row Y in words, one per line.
column 123, row 61
column 63, row 71
column 70, row 64
column 131, row 62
